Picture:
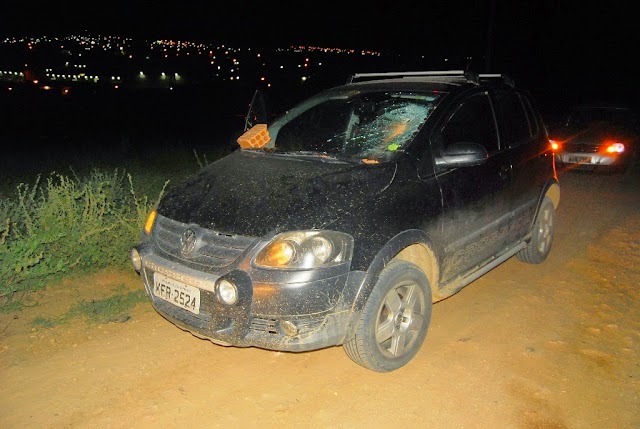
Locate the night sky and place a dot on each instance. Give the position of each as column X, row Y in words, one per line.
column 590, row 45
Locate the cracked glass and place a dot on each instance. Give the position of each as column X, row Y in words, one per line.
column 372, row 126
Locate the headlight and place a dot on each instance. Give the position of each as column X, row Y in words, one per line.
column 615, row 148
column 306, row 249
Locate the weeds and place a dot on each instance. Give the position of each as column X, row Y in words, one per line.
column 201, row 163
column 67, row 225
column 112, row 309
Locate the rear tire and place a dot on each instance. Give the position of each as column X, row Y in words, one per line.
column 395, row 319
column 542, row 235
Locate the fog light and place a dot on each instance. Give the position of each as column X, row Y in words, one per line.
column 289, row 328
column 227, row 292
column 136, row 260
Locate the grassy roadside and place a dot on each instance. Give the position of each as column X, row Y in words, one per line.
column 73, row 307
column 59, row 225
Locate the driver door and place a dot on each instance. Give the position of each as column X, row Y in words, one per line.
column 476, row 199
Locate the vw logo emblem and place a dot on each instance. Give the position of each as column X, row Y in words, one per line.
column 188, row 241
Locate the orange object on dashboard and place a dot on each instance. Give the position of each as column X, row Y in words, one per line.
column 254, row 138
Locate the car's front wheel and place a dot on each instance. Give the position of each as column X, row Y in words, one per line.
column 395, row 319
column 542, row 235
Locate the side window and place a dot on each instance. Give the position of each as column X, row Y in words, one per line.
column 472, row 122
column 514, row 125
column 531, row 114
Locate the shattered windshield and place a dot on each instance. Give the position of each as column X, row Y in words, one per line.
column 369, row 126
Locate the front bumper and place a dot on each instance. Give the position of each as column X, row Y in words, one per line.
column 276, row 310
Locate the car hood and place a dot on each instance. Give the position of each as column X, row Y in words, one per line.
column 595, row 134
column 259, row 194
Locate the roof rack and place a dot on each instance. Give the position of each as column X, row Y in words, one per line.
column 464, row 76
column 451, row 75
column 506, row 79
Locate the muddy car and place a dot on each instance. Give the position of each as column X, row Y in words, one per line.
column 343, row 220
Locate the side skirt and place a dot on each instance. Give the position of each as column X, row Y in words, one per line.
column 458, row 283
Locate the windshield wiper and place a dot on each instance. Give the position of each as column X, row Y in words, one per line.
column 320, row 156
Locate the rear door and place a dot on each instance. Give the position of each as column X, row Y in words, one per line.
column 526, row 145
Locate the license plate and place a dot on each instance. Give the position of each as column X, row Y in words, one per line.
column 177, row 293
column 579, row 159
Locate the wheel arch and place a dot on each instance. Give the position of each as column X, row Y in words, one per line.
column 423, row 256
column 413, row 246
column 553, row 192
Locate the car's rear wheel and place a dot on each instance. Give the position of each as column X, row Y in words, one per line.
column 542, row 235
column 395, row 319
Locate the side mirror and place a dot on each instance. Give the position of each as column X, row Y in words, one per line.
column 462, row 154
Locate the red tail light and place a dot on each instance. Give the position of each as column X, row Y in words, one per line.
column 554, row 145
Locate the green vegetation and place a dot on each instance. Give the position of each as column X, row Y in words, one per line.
column 73, row 223
column 66, row 225
column 112, row 309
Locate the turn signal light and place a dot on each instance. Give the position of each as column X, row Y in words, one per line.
column 148, row 225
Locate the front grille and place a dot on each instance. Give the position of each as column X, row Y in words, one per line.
column 214, row 249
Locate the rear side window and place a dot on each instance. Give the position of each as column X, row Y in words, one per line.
column 472, row 122
column 514, row 124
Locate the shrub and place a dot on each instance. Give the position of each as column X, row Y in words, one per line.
column 67, row 225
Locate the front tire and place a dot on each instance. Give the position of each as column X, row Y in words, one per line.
column 395, row 319
column 542, row 235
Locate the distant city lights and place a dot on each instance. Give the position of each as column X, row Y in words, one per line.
column 163, row 63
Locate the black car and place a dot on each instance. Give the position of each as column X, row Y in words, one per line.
column 343, row 220
column 598, row 136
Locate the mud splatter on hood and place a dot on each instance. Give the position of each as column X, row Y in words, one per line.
column 257, row 194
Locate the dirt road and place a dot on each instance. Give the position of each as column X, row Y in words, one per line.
column 550, row 346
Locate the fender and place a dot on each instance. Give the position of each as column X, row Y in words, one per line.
column 551, row 189
column 361, row 283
